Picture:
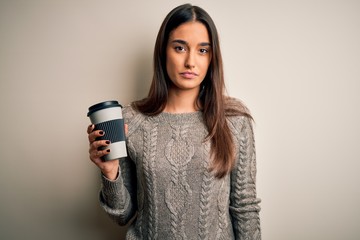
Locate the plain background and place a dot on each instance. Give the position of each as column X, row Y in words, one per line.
column 296, row 64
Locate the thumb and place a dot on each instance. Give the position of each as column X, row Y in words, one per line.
column 126, row 127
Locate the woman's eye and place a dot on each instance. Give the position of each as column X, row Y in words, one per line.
column 179, row 48
column 204, row 50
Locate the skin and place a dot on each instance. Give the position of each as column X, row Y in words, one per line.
column 108, row 168
column 188, row 56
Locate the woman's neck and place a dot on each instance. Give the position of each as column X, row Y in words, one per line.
column 180, row 101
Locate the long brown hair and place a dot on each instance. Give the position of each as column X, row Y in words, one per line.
column 215, row 105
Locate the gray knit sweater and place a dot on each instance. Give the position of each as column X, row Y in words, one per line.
column 165, row 181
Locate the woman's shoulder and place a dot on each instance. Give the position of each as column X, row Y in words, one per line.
column 128, row 111
column 237, row 114
column 132, row 117
column 236, row 108
column 130, row 114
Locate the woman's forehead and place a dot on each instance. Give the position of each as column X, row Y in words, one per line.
column 190, row 32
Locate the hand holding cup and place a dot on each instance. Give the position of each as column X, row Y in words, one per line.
column 106, row 136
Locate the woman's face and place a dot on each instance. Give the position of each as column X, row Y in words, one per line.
column 188, row 55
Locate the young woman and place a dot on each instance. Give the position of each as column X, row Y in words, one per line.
column 191, row 168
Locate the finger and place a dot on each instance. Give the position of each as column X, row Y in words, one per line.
column 126, row 127
column 98, row 145
column 93, row 135
column 96, row 155
column 90, row 128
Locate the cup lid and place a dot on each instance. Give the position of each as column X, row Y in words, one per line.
column 103, row 105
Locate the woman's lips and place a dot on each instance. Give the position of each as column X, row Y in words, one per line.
column 188, row 75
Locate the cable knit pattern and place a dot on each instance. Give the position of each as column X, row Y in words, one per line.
column 244, row 204
column 223, row 210
column 178, row 152
column 165, row 186
column 205, row 202
column 150, row 136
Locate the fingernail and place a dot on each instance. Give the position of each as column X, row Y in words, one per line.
column 107, row 142
column 101, row 132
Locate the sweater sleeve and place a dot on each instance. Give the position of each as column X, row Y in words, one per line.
column 118, row 198
column 244, row 205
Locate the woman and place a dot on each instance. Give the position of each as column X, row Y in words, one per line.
column 191, row 168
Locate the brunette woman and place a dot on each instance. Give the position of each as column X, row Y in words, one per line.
column 191, row 168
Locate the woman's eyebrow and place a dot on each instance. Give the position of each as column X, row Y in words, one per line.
column 203, row 44
column 179, row 41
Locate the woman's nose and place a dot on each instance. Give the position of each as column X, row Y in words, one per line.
column 190, row 60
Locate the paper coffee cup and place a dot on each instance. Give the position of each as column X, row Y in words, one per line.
column 107, row 116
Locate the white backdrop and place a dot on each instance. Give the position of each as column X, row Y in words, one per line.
column 296, row 64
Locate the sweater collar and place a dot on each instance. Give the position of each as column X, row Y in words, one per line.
column 179, row 117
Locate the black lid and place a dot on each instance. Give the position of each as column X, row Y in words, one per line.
column 103, row 105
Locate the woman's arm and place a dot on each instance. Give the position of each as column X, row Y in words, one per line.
column 118, row 191
column 118, row 197
column 244, row 205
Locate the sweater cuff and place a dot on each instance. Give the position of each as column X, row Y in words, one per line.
column 112, row 192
